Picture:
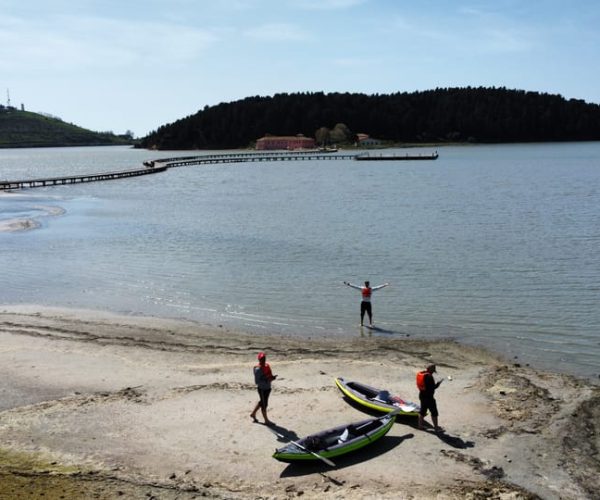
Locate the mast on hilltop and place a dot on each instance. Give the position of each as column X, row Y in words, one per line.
column 7, row 98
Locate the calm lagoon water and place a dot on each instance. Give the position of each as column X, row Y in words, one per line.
column 491, row 245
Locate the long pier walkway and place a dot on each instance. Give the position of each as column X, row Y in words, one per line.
column 77, row 179
column 162, row 164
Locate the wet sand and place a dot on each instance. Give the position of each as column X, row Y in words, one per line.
column 15, row 225
column 100, row 406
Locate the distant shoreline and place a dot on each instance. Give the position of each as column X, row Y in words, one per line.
column 411, row 145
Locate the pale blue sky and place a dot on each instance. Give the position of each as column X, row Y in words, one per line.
column 118, row 65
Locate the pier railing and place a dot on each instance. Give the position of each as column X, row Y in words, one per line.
column 77, row 179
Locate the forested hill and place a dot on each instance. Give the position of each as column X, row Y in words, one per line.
column 453, row 114
column 24, row 129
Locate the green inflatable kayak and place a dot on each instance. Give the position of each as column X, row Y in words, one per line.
column 336, row 441
column 376, row 399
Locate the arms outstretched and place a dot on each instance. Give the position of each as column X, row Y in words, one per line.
column 360, row 287
column 352, row 286
column 378, row 287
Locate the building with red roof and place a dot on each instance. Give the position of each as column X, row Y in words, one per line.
column 285, row 142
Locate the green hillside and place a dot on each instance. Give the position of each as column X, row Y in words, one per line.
column 24, row 129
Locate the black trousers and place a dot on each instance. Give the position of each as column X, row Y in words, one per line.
column 427, row 403
column 263, row 394
column 365, row 307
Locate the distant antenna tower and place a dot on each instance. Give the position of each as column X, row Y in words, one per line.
column 7, row 98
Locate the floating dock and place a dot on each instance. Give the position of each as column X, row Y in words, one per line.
column 382, row 157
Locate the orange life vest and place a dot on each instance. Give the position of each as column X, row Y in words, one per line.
column 366, row 292
column 421, row 380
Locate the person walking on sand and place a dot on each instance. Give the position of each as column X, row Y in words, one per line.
column 365, row 304
column 263, row 376
column 427, row 386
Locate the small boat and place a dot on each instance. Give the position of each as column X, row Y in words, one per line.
column 336, row 441
column 376, row 399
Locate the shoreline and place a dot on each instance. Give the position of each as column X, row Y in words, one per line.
column 100, row 403
column 546, row 324
column 338, row 335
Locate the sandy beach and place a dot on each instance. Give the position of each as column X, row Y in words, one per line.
column 101, row 406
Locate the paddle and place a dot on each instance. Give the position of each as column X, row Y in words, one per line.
column 326, row 460
column 359, row 430
column 395, row 412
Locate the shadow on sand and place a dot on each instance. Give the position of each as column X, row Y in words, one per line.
column 369, row 330
column 412, row 421
column 450, row 440
column 283, row 435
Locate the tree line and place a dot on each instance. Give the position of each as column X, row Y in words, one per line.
column 485, row 115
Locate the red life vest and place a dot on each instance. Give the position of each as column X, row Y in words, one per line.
column 421, row 380
column 366, row 292
column 266, row 369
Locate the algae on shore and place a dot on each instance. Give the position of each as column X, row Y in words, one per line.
column 29, row 475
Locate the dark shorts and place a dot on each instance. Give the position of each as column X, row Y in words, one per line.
column 428, row 403
column 263, row 394
column 365, row 307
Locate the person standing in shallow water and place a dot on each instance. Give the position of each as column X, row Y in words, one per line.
column 365, row 304
column 263, row 376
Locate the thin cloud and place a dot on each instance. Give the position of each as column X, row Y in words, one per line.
column 505, row 40
column 493, row 31
column 327, row 4
column 354, row 62
column 278, row 32
column 66, row 42
column 493, row 36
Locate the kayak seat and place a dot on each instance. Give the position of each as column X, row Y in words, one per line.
column 368, row 427
column 330, row 441
column 382, row 397
column 314, row 443
column 349, row 433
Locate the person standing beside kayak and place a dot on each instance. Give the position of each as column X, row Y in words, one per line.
column 263, row 376
column 427, row 386
column 365, row 304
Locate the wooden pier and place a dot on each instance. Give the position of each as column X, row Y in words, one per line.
column 162, row 164
column 250, row 157
column 77, row 179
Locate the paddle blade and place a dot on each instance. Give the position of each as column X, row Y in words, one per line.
column 314, row 454
column 392, row 413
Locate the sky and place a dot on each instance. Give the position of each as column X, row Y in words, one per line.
column 132, row 65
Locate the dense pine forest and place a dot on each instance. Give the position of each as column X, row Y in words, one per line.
column 442, row 115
